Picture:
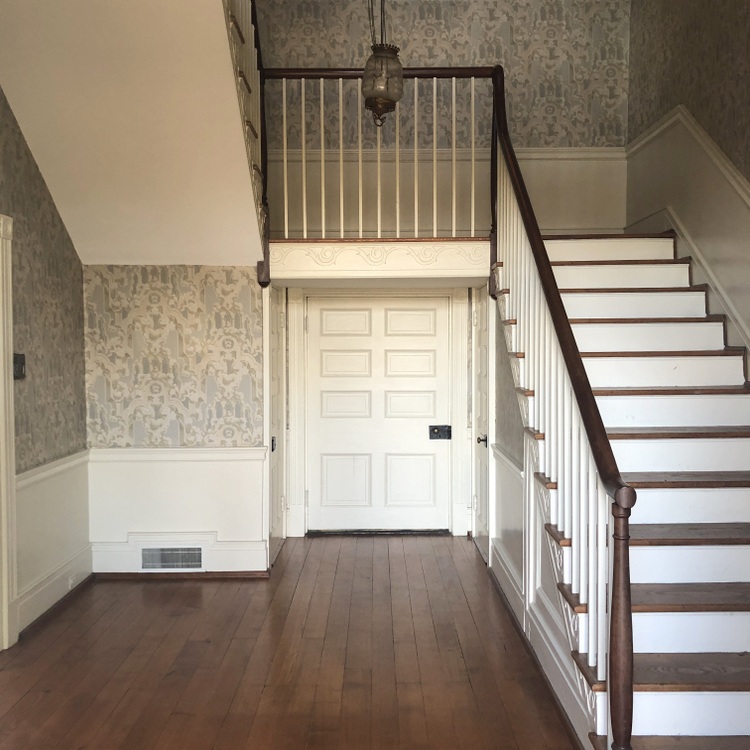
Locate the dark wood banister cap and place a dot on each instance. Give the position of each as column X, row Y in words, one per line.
column 353, row 73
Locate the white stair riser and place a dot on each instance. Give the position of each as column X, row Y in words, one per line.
column 710, row 713
column 622, row 277
column 683, row 454
column 635, row 304
column 690, row 564
column 617, row 372
column 674, row 411
column 641, row 248
column 690, row 632
column 693, row 505
column 647, row 337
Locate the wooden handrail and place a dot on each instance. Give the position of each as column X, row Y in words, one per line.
column 264, row 266
column 354, row 73
column 621, row 619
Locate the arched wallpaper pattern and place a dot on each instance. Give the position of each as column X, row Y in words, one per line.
column 566, row 61
column 174, row 357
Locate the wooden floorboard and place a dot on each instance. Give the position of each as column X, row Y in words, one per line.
column 354, row 642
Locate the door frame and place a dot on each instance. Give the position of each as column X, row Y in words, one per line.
column 491, row 311
column 8, row 622
column 459, row 346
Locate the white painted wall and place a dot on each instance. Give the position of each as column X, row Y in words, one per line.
column 214, row 498
column 130, row 110
column 679, row 178
column 53, row 554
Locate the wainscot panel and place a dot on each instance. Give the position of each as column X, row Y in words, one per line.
column 207, row 498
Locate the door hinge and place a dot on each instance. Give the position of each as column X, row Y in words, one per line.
column 305, row 325
column 285, row 502
column 473, row 505
column 282, row 320
column 475, row 318
column 307, row 496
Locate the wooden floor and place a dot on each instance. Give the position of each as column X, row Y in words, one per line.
column 354, row 642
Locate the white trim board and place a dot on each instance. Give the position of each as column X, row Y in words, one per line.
column 172, row 494
column 678, row 177
column 8, row 629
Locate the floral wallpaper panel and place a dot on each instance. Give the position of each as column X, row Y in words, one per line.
column 50, row 403
column 566, row 61
column 173, row 357
column 695, row 53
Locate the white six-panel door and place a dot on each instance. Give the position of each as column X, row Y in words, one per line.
column 378, row 376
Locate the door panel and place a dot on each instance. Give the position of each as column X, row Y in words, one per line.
column 378, row 375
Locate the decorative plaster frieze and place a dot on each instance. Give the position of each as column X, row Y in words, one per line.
column 460, row 259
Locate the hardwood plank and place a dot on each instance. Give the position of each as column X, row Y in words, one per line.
column 685, row 534
column 366, row 642
column 686, row 479
column 691, row 597
column 692, row 672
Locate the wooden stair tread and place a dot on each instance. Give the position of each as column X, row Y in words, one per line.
column 690, row 597
column 599, row 742
column 669, row 390
column 634, row 262
column 667, row 234
column 699, row 672
column 687, row 479
column 695, row 289
column 672, row 534
column 647, row 321
column 727, row 351
column 660, row 433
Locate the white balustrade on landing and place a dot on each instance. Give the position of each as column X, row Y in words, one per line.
column 579, row 507
column 423, row 174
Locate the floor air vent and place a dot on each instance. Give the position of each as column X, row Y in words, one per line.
column 172, row 558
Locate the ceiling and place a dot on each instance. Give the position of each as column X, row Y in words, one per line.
column 130, row 110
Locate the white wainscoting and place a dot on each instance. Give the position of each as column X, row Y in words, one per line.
column 507, row 531
column 576, row 190
column 52, row 535
column 212, row 498
column 522, row 562
column 679, row 178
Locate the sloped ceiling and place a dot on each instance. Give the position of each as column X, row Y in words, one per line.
column 130, row 109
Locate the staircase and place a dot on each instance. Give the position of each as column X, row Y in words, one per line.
column 676, row 405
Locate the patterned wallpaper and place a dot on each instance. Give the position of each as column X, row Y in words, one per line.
column 566, row 61
column 695, row 53
column 50, row 404
column 173, row 357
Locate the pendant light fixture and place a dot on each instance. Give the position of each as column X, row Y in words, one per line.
column 383, row 76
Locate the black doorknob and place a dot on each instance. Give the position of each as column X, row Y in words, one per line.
column 482, row 440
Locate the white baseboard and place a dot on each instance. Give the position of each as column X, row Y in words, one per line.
column 678, row 177
column 213, row 498
column 37, row 599
column 53, row 554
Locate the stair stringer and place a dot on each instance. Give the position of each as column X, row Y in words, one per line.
column 553, row 629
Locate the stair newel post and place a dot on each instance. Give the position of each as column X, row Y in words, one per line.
column 621, row 625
